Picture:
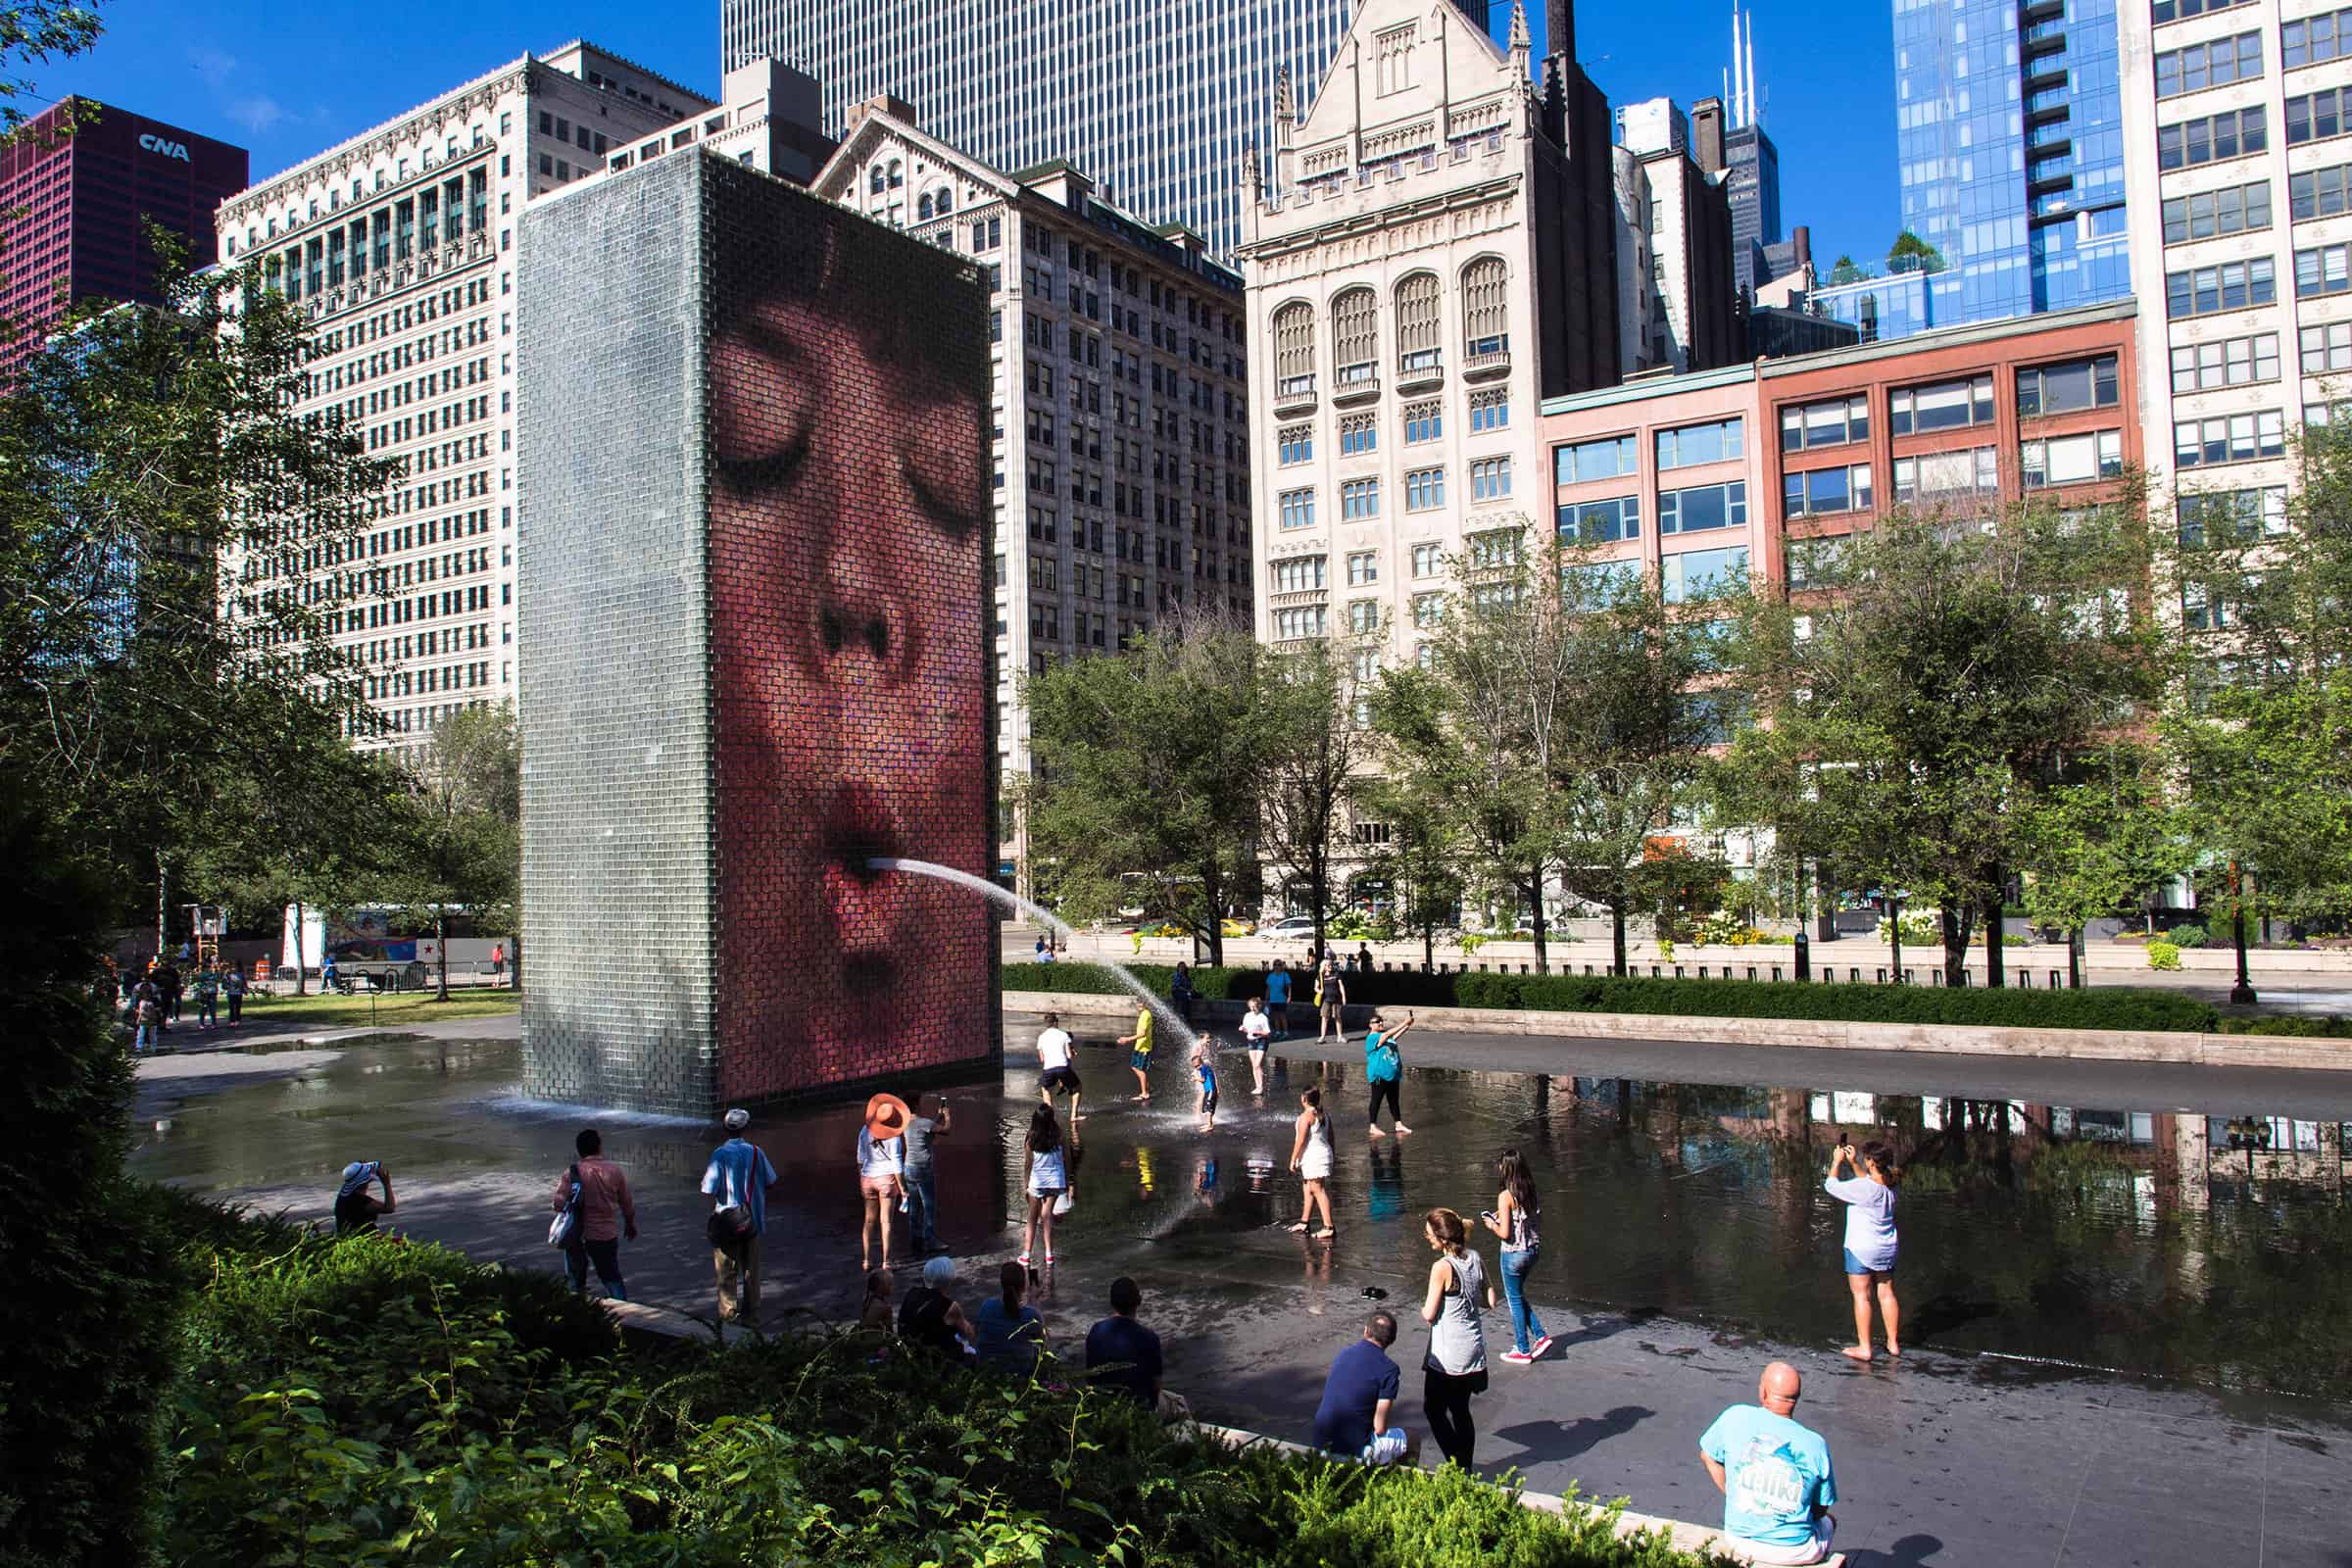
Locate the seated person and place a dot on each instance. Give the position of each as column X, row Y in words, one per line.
column 929, row 1317
column 1127, row 1354
column 1358, row 1396
column 356, row 1208
column 1773, row 1473
column 1005, row 1333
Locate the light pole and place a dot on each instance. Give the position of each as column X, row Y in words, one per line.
column 2242, row 995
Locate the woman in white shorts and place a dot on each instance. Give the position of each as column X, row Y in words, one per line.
column 1310, row 1158
column 1255, row 1027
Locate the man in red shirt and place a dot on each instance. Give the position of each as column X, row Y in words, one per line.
column 607, row 1213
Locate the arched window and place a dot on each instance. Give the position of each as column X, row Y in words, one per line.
column 945, row 203
column 876, row 185
column 1295, row 347
column 1484, row 317
column 897, row 176
column 923, row 207
column 1417, row 326
column 1355, row 337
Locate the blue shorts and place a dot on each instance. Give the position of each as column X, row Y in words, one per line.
column 1854, row 1265
column 1140, row 1060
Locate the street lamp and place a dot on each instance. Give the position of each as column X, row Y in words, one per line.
column 2242, row 995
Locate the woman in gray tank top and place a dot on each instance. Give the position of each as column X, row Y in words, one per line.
column 1455, row 1368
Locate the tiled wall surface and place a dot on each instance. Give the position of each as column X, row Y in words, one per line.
column 754, row 521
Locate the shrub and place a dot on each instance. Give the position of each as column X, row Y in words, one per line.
column 2164, row 956
column 2186, row 936
column 2331, row 1027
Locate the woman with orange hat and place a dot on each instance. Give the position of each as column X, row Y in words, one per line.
column 881, row 1170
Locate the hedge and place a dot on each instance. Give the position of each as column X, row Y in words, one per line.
column 2104, row 1007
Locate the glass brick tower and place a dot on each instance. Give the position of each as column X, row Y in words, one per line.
column 1154, row 102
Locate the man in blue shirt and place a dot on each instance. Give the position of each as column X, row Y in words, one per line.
column 1126, row 1351
column 1353, row 1420
column 1278, row 999
column 1774, row 1474
column 739, row 1174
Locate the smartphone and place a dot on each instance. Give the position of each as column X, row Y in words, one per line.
column 1488, row 1215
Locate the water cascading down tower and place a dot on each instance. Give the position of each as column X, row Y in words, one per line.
column 753, row 517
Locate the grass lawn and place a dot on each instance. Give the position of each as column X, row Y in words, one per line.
column 393, row 1006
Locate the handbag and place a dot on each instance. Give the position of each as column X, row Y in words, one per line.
column 729, row 1225
column 567, row 1223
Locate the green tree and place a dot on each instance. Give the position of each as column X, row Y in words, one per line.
column 1846, row 271
column 2091, row 845
column 1946, row 667
column 1421, row 859
column 1150, row 764
column 1312, row 764
column 456, row 837
column 1911, row 254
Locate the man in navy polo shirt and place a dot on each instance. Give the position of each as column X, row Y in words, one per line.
column 1358, row 1398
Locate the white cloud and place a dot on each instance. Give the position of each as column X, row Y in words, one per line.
column 256, row 115
column 215, row 66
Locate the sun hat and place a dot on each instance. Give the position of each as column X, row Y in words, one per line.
column 887, row 1116
column 738, row 1119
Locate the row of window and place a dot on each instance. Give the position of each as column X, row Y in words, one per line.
column 1355, row 328
column 2228, row 438
column 1424, row 491
column 2314, row 116
column 1424, row 421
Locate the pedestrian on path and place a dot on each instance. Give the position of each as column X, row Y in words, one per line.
column 167, row 985
column 1180, row 990
column 498, row 965
column 146, row 1017
column 1864, row 1183
column 1513, row 1218
column 1255, row 1028
column 1331, row 995
column 208, row 997
column 1139, row 1059
column 921, row 1182
column 1775, row 1475
column 1310, row 1158
column 608, row 1212
column 1278, row 997
column 1056, row 1075
column 1047, row 1181
column 1455, row 1368
column 234, row 986
column 1384, row 1070
column 881, row 1172
column 355, row 1213
column 737, row 1179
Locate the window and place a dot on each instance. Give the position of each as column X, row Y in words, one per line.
column 1816, row 492
column 1359, row 499
column 2067, row 387
column 1294, row 443
column 1298, row 574
column 2227, row 135
column 2308, row 40
column 2325, row 348
column 2313, row 117
column 1356, row 338
column 1295, row 350
column 1942, row 405
column 1363, row 615
column 1417, row 323
column 1424, row 421
column 2230, row 286
column 1490, row 478
column 2226, row 361
column 1358, row 434
column 2228, row 438
column 2232, row 210
column 1499, row 548
column 1485, row 329
column 1601, row 522
column 1813, row 562
column 2224, row 516
column 1605, row 458
column 1428, row 611
column 1363, row 567
column 2209, row 64
column 1424, row 489
column 1947, row 473
column 2182, row 9
column 1707, row 506
column 1490, row 410
column 1301, row 621
column 1701, row 443
column 1825, row 424
column 1427, row 561
column 1696, row 573
column 1297, row 508
column 2322, row 269
column 2319, row 192
column 2071, row 459
column 2202, row 610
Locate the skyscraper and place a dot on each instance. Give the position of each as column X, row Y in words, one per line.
column 1154, row 103
column 1728, row 138
column 2009, row 128
column 74, row 210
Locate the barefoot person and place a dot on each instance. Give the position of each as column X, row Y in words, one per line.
column 1310, row 1158
column 1384, row 1070
column 881, row 1172
column 1775, row 1476
column 1278, row 997
column 1513, row 1218
column 1205, row 1064
column 1056, row 1075
column 1140, row 1058
column 1256, row 1026
column 1047, row 1179
column 1331, row 995
column 1864, row 1182
column 1455, row 1368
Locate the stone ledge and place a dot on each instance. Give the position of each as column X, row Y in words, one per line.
column 2078, row 1045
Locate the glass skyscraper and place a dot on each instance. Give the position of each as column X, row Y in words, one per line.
column 1153, row 102
column 2009, row 127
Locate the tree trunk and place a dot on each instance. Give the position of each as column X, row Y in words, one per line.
column 1213, row 891
column 1617, row 933
column 302, row 958
column 1542, row 952
column 1994, row 976
column 1955, row 944
column 1894, row 940
column 2073, row 956
column 441, row 941
column 1429, row 950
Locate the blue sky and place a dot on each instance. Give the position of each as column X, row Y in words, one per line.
column 287, row 81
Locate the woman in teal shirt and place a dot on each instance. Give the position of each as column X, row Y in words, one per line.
column 1383, row 1069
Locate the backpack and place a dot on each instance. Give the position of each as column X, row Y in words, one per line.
column 566, row 1224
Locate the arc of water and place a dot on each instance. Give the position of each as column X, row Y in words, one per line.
column 1013, row 900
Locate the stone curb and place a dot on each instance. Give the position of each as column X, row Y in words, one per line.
column 2076, row 1045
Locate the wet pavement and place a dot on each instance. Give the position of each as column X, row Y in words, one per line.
column 2119, row 1350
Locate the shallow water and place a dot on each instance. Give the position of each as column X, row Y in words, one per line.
column 2105, row 1237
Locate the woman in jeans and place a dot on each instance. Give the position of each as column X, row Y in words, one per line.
column 1455, row 1368
column 1515, row 1220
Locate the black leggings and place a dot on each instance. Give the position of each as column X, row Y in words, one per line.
column 1445, row 1401
column 1386, row 1089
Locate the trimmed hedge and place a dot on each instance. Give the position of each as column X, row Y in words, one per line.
column 2332, row 1027
column 2105, row 1008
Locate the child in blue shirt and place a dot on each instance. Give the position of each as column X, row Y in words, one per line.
column 1204, row 1062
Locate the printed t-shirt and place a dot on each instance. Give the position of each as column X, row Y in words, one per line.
column 1869, row 1221
column 1775, row 1472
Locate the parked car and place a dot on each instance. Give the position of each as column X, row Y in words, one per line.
column 1229, row 926
column 1297, row 925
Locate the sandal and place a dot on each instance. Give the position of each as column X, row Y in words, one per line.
column 1325, row 1234
column 1298, row 1229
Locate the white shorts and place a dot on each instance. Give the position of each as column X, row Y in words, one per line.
column 1311, row 1170
column 1815, row 1551
column 1386, row 1448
